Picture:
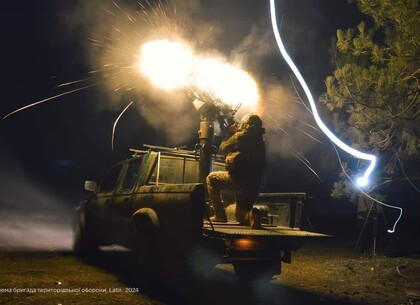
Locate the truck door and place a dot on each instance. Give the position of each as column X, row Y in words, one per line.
column 121, row 205
column 98, row 208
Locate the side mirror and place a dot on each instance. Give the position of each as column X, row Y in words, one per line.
column 91, row 186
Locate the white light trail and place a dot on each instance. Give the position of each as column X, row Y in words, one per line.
column 361, row 181
column 368, row 196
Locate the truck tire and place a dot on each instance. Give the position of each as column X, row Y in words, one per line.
column 250, row 271
column 145, row 248
column 84, row 245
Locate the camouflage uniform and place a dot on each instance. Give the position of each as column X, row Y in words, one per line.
column 245, row 159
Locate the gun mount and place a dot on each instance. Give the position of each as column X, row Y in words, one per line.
column 211, row 109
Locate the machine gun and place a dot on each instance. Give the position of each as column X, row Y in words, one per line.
column 211, row 106
column 211, row 109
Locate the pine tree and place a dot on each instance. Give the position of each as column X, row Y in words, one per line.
column 374, row 90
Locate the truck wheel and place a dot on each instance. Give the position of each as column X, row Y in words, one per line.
column 145, row 248
column 83, row 245
column 249, row 271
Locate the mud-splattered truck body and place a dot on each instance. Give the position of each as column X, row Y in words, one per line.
column 154, row 204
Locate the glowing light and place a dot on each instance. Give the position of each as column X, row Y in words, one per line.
column 362, row 181
column 172, row 65
column 227, row 82
column 370, row 197
column 168, row 64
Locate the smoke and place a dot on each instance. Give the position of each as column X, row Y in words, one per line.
column 112, row 33
column 255, row 47
column 235, row 31
column 290, row 128
column 30, row 216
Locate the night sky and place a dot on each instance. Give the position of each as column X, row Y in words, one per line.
column 59, row 144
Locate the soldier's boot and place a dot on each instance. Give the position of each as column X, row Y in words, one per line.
column 219, row 213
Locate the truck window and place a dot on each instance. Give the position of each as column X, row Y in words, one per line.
column 110, row 180
column 171, row 170
column 179, row 169
column 218, row 166
column 131, row 175
column 175, row 170
column 191, row 171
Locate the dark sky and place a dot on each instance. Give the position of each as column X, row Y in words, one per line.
column 65, row 141
column 48, row 151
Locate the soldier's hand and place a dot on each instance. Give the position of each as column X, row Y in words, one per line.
column 233, row 128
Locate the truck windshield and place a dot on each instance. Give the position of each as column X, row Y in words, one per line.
column 110, row 180
column 131, row 174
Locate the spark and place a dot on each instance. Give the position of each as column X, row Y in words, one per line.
column 306, row 162
column 299, row 97
column 47, row 99
column 309, row 125
column 361, row 181
column 109, row 12
column 115, row 125
column 284, row 131
column 119, row 8
column 309, row 135
column 72, row 83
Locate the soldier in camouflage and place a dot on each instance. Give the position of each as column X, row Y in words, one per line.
column 245, row 160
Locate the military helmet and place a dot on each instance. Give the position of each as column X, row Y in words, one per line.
column 251, row 120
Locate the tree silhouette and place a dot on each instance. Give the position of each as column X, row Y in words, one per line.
column 374, row 90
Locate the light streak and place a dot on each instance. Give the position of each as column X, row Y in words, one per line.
column 367, row 195
column 115, row 125
column 361, row 181
column 309, row 135
column 306, row 162
column 72, row 82
column 46, row 100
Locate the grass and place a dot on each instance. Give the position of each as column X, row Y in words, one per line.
column 319, row 274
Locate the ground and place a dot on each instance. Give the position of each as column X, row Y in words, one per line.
column 320, row 273
column 338, row 271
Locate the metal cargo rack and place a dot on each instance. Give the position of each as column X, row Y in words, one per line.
column 173, row 151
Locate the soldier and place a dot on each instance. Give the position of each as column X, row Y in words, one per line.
column 245, row 160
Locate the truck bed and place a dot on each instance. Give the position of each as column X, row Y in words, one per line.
column 234, row 230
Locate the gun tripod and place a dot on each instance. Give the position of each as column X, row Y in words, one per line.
column 371, row 218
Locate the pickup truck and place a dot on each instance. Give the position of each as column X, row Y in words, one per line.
column 154, row 204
